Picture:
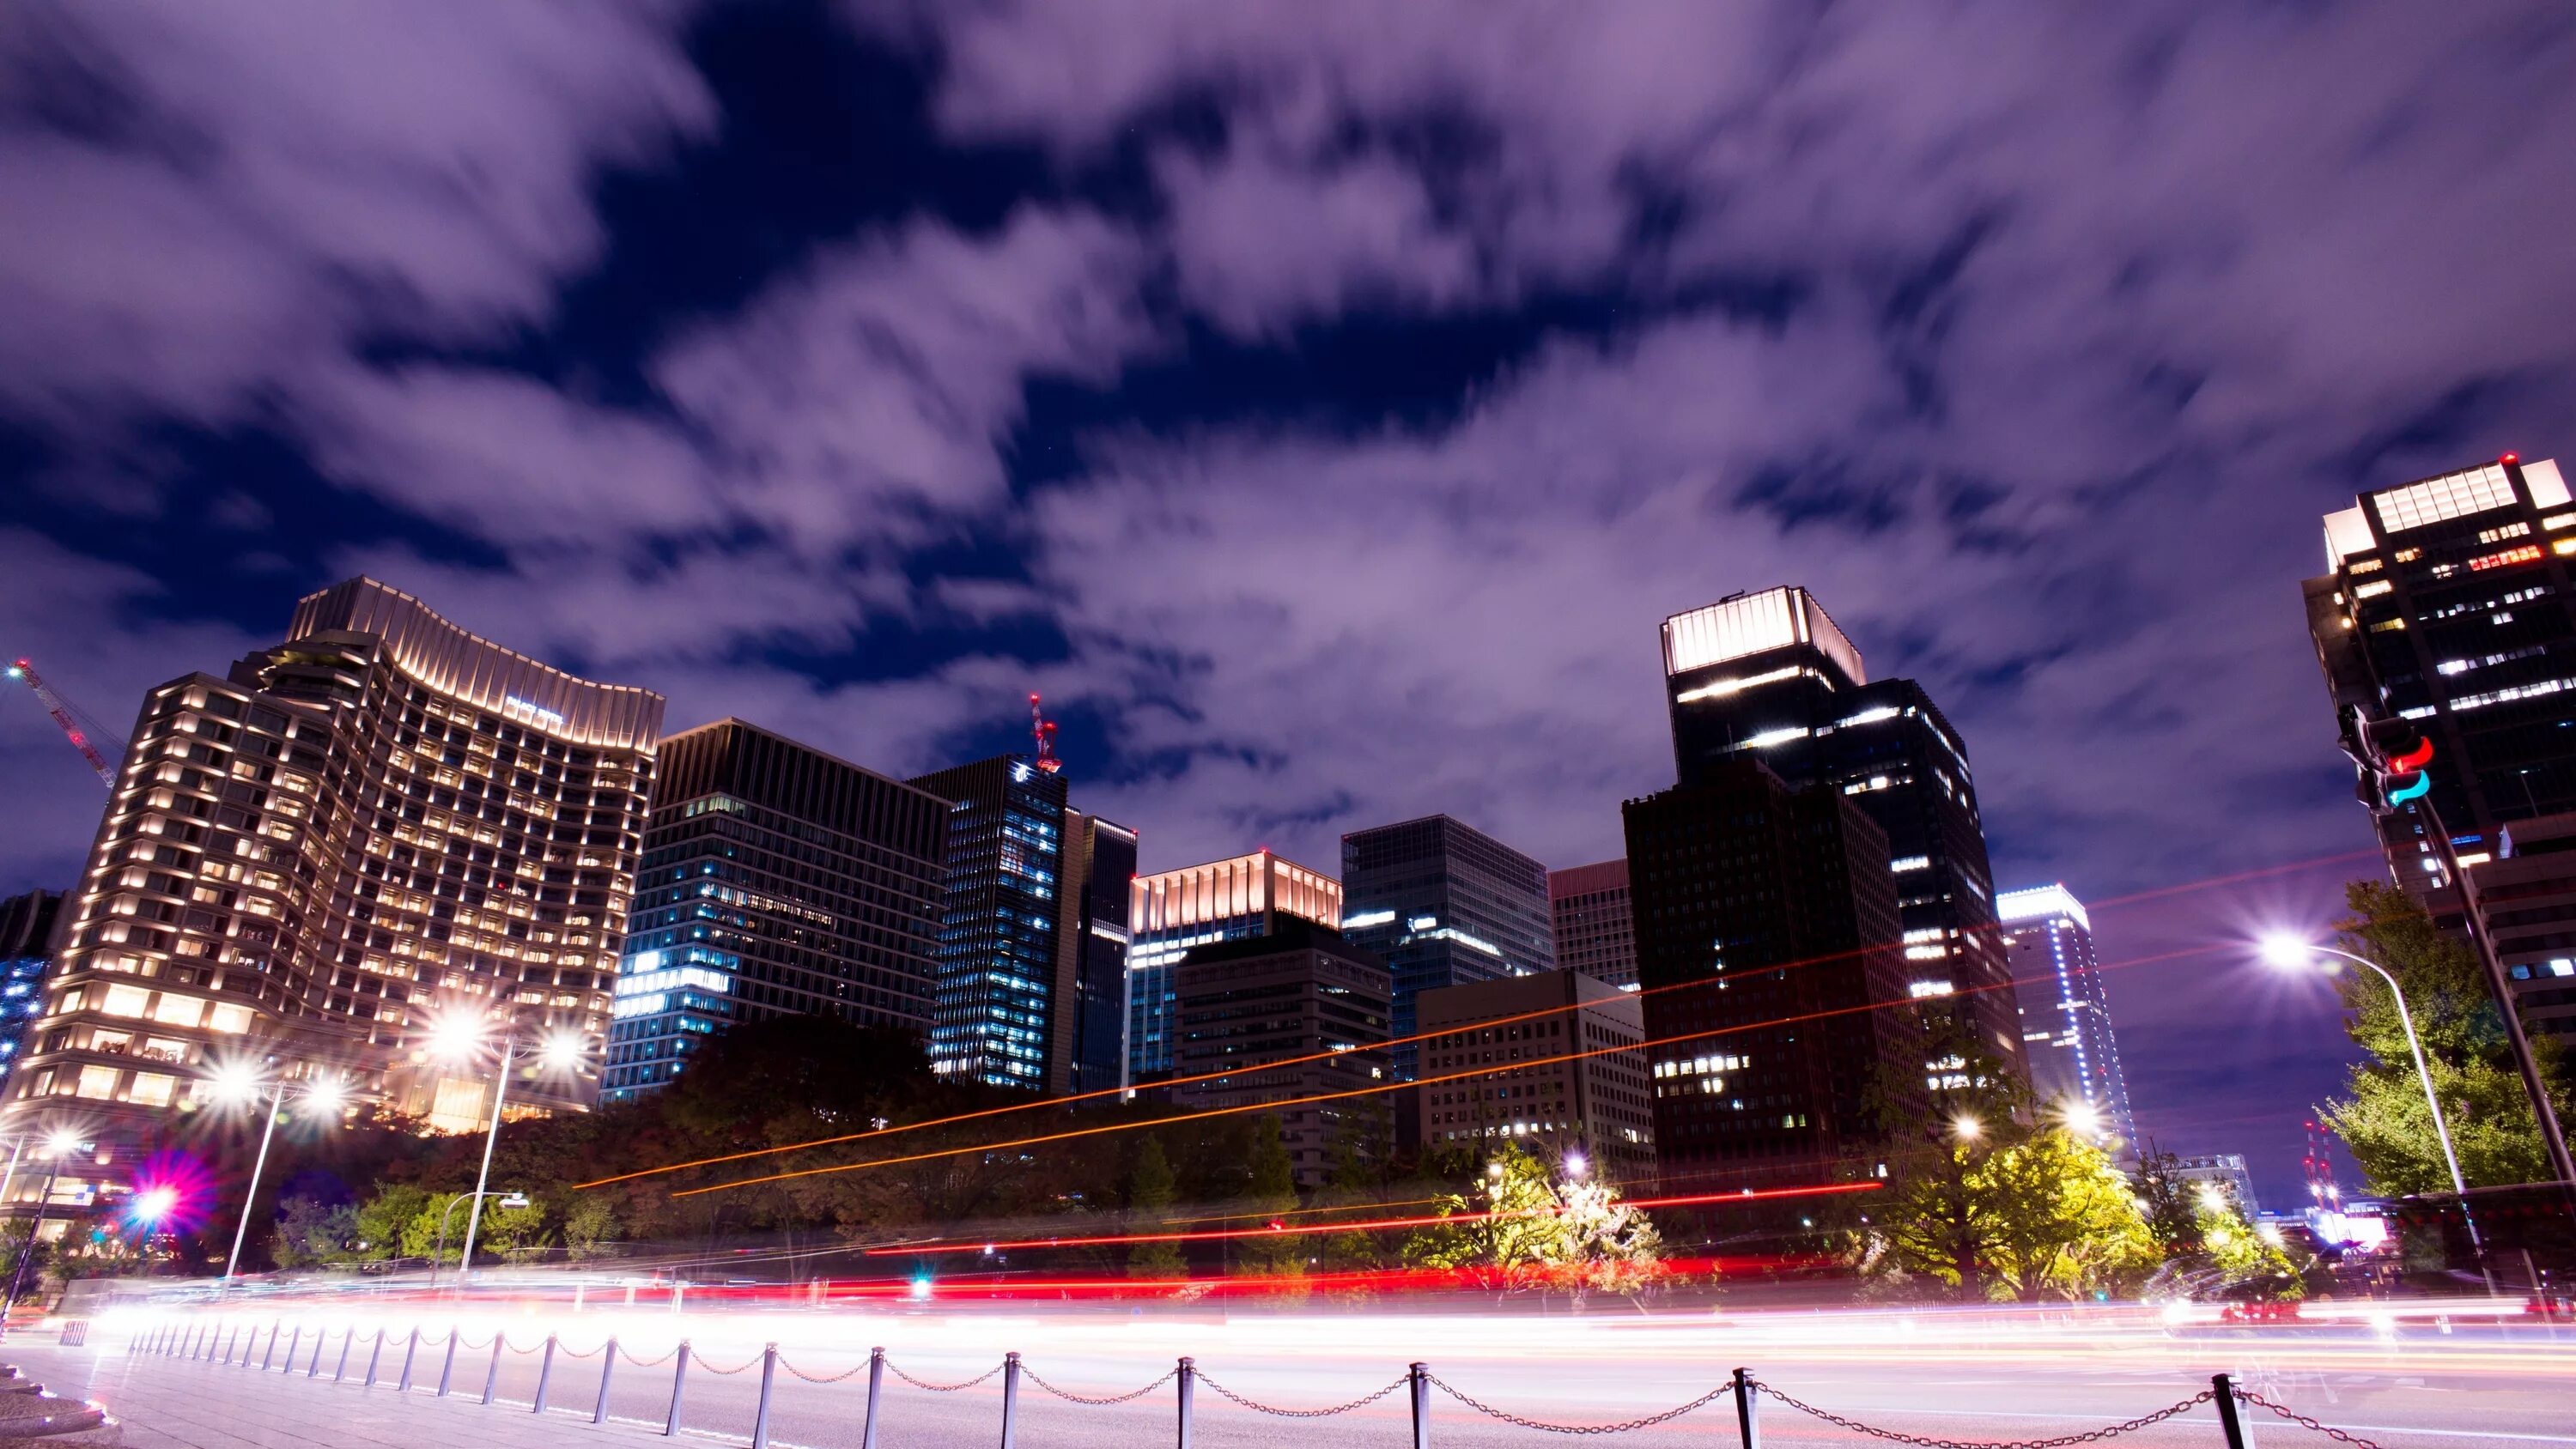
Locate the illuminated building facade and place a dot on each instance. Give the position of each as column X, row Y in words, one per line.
column 26, row 946
column 1301, row 997
column 1443, row 904
column 1766, row 922
column 1595, row 934
column 382, row 820
column 993, row 1004
column 2065, row 1010
column 776, row 881
column 1602, row 1104
column 2446, row 601
column 1768, row 676
column 1172, row 912
column 1087, row 1051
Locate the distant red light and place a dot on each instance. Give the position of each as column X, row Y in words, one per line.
column 2510, row 459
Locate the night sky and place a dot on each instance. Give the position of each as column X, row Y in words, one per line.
column 1320, row 403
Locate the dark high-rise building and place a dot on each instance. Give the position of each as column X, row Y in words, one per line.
column 2527, row 897
column 994, row 1007
column 379, row 826
column 2447, row 601
column 1173, row 912
column 26, row 945
column 1766, row 917
column 1302, row 997
column 2065, row 1010
column 776, row 881
column 1556, row 1062
column 1443, row 904
column 1595, row 934
column 1087, row 1051
column 1769, row 677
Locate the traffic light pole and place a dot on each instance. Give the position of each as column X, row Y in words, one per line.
column 2553, row 1139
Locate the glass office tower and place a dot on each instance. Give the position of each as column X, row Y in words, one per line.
column 26, row 936
column 1087, row 1052
column 2065, row 1009
column 777, row 881
column 994, row 1008
column 1443, row 904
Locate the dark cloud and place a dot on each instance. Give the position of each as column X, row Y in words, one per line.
column 1321, row 403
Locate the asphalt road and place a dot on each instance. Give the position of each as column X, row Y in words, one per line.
column 1962, row 1375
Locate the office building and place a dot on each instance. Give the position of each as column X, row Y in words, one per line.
column 2527, row 898
column 26, row 945
column 2224, row 1173
column 993, row 1007
column 1766, row 918
column 1285, row 1018
column 776, row 881
column 1173, row 912
column 1443, row 904
column 378, row 826
column 2446, row 601
column 1557, row 1065
column 1086, row 1051
column 1768, row 676
column 1594, row 932
column 2066, row 1030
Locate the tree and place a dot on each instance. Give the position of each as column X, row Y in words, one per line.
column 1149, row 1202
column 2168, row 1200
column 311, row 1233
column 382, row 1219
column 2383, row 1118
column 1520, row 1228
column 1273, row 1192
column 2064, row 1221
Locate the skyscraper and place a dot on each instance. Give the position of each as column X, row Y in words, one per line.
column 2065, row 1011
column 2447, row 601
column 1765, row 922
column 1768, row 676
column 1087, row 1051
column 383, row 821
column 1766, row 919
column 776, row 880
column 1550, row 1069
column 993, row 1009
column 26, row 937
column 1172, row 912
column 1285, row 1018
column 1594, row 932
column 1443, row 903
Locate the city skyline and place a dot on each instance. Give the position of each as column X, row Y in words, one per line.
column 1322, row 452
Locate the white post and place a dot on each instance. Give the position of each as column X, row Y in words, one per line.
column 276, row 1100
column 474, row 1214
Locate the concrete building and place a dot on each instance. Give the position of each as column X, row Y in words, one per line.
column 2224, row 1171
column 1595, row 934
column 381, row 827
column 1174, row 912
column 1297, row 1014
column 1443, row 903
column 776, row 881
column 2527, row 897
column 2065, row 1009
column 1516, row 1036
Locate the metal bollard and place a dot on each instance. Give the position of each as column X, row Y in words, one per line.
column 768, row 1375
column 1189, row 1374
column 374, row 1355
column 607, row 1366
column 2231, row 1415
column 348, row 1340
column 1010, row 1396
column 1418, row 1384
column 679, row 1380
column 313, row 1370
column 447, row 1367
column 1747, row 1422
column 230, row 1339
column 545, row 1372
column 876, row 1389
column 271, row 1351
column 292, row 1345
column 492, row 1375
column 409, row 1349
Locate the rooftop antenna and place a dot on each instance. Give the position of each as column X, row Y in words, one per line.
column 1042, row 730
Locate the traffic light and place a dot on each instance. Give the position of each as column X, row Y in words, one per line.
column 2391, row 755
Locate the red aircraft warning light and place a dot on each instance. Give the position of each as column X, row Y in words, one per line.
column 1042, row 730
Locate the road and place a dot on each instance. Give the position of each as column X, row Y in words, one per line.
column 1948, row 1374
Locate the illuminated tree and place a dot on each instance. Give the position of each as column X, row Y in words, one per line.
column 1520, row 1227
column 2063, row 1220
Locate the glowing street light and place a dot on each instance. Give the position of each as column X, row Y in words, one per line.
column 59, row 1143
column 2290, row 953
column 2083, row 1119
column 1575, row 1165
column 238, row 1083
column 460, row 1037
column 153, row 1205
column 1968, row 1129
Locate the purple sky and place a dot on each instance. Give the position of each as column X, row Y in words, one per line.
column 1321, row 403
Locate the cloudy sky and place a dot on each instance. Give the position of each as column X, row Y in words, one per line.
column 1319, row 403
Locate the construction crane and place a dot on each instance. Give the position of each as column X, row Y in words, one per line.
column 62, row 712
column 1042, row 730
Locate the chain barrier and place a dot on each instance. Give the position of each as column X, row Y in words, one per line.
column 1650, row 1421
column 647, row 1362
column 1223, row 1392
column 2303, row 1421
column 578, row 1353
column 796, row 1372
column 704, row 1362
column 2089, row 1436
column 470, row 1346
column 1071, row 1398
column 945, row 1388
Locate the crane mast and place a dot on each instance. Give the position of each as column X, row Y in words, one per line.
column 1042, row 730
column 62, row 714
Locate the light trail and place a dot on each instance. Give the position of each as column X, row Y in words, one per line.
column 1079, row 1133
column 1210, row 1235
column 1338, row 1207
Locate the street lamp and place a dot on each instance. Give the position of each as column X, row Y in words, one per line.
column 458, row 1037
column 508, row 1200
column 2292, row 954
column 59, row 1144
column 238, row 1084
column 1967, row 1128
column 2083, row 1119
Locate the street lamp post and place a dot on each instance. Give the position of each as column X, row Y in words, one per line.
column 508, row 1200
column 462, row 1037
column 57, row 1147
column 243, row 1084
